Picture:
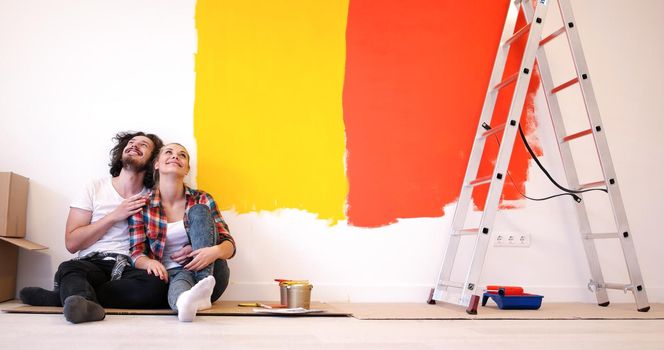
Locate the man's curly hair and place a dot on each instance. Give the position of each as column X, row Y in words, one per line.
column 122, row 139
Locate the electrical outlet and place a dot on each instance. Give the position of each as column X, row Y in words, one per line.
column 499, row 240
column 521, row 240
column 511, row 240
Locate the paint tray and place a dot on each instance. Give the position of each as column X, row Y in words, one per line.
column 522, row 301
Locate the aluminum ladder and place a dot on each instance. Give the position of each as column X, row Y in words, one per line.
column 467, row 293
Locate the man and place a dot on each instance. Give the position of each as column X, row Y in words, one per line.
column 102, row 275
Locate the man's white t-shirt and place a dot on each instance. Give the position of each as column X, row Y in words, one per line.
column 101, row 198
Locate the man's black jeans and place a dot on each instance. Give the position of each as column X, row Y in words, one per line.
column 91, row 279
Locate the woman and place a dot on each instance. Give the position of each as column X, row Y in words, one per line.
column 181, row 237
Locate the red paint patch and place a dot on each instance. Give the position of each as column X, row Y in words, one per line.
column 416, row 76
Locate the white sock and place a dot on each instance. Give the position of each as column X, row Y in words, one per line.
column 197, row 298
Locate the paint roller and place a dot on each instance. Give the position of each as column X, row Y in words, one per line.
column 505, row 290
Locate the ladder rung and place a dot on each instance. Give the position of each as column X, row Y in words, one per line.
column 493, row 130
column 466, row 232
column 507, row 81
column 577, row 135
column 600, row 235
column 453, row 284
column 591, row 185
column 552, row 36
column 480, row 181
column 562, row 86
column 517, row 35
column 618, row 286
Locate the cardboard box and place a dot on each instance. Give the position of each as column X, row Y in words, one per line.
column 13, row 210
column 13, row 204
column 9, row 264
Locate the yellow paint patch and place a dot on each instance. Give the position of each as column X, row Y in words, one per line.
column 268, row 114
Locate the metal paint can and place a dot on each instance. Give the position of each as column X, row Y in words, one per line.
column 298, row 295
column 283, row 293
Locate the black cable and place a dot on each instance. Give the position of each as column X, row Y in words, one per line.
column 532, row 155
column 576, row 198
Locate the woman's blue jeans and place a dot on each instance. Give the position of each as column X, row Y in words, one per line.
column 202, row 234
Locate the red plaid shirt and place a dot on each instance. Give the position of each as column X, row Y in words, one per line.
column 147, row 228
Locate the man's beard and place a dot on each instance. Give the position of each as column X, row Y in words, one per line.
column 133, row 164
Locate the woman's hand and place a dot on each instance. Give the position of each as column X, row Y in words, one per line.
column 202, row 258
column 156, row 268
column 182, row 256
column 206, row 256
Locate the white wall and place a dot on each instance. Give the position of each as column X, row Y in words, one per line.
column 75, row 72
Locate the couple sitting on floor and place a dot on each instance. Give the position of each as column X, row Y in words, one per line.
column 144, row 239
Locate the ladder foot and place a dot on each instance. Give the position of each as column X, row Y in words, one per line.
column 430, row 300
column 604, row 304
column 472, row 306
column 644, row 309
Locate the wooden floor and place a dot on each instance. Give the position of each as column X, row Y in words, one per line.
column 51, row 331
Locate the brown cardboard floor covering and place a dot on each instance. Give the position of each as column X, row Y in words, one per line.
column 550, row 311
column 220, row 308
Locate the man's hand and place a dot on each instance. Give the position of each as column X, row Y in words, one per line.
column 156, row 268
column 128, row 207
column 182, row 256
column 202, row 258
